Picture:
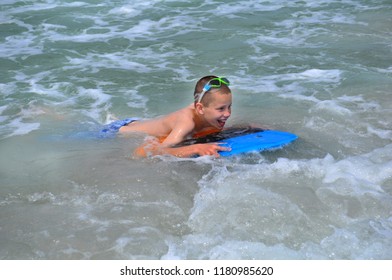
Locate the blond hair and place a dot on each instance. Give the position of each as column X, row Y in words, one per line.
column 207, row 97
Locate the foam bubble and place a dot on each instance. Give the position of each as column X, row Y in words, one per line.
column 44, row 197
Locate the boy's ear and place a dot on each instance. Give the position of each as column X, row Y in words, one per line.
column 199, row 108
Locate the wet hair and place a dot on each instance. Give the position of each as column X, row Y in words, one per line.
column 207, row 97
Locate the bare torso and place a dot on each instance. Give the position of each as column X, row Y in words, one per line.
column 184, row 123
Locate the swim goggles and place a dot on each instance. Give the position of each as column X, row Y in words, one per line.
column 213, row 83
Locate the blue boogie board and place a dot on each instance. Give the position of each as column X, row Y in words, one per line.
column 246, row 140
column 257, row 142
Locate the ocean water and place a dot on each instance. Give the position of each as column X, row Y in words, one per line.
column 320, row 69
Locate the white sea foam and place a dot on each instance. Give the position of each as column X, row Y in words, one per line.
column 137, row 100
column 141, row 29
column 94, row 63
column 98, row 101
column 19, row 45
column 310, row 75
column 2, row 109
column 44, row 7
column 22, row 128
column 240, row 7
column 128, row 10
column 134, row 8
column 7, row 89
column 247, row 207
column 53, row 91
column 382, row 133
column 316, row 17
column 23, row 123
column 365, row 172
column 333, row 107
column 291, row 85
column 387, row 70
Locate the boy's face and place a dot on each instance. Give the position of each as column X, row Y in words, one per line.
column 218, row 110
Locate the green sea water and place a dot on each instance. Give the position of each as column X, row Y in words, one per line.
column 319, row 69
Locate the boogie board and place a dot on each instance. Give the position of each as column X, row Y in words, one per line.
column 247, row 140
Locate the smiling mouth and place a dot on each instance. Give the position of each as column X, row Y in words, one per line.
column 221, row 123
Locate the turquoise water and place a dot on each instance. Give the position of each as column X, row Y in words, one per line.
column 320, row 69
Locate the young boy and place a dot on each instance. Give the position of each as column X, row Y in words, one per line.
column 208, row 114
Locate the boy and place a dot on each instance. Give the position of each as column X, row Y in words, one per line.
column 208, row 114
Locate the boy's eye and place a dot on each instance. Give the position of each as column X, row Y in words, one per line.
column 221, row 109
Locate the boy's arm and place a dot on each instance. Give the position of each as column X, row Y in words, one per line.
column 181, row 130
column 179, row 133
column 207, row 149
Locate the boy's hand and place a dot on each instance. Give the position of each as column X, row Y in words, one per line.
column 154, row 148
column 210, row 149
